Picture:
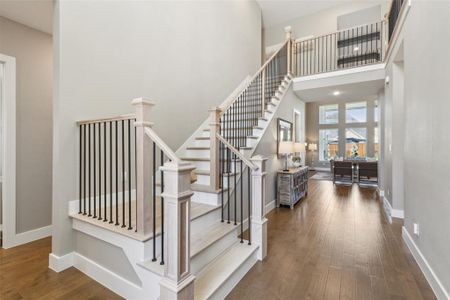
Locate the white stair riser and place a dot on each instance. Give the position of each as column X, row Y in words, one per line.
column 200, row 165
column 199, row 224
column 203, row 153
column 203, row 258
column 206, row 198
column 203, row 179
column 201, row 143
column 205, row 134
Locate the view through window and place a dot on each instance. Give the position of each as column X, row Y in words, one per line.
column 328, row 144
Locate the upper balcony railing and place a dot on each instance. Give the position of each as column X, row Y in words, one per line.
column 393, row 15
column 354, row 47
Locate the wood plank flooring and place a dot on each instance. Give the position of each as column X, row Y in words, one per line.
column 335, row 244
column 24, row 274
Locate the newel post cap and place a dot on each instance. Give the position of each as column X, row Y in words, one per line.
column 288, row 30
column 216, row 108
column 142, row 101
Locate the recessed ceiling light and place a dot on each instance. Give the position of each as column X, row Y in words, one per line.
column 336, row 93
column 356, row 48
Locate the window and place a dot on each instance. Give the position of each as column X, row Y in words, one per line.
column 328, row 144
column 328, row 114
column 356, row 112
column 376, row 140
column 376, row 108
column 356, row 142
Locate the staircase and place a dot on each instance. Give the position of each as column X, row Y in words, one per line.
column 194, row 214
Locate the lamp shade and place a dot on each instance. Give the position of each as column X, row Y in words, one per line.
column 286, row 148
column 312, row 146
column 299, row 147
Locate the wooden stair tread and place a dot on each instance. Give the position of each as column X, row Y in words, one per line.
column 198, row 148
column 195, row 159
column 205, row 188
column 217, row 272
column 204, row 239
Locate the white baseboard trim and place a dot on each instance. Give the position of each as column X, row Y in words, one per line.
column 60, row 263
column 390, row 212
column 107, row 278
column 270, row 206
column 433, row 280
column 29, row 236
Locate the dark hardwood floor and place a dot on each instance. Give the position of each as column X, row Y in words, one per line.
column 24, row 274
column 335, row 244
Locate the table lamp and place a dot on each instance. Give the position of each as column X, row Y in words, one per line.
column 285, row 148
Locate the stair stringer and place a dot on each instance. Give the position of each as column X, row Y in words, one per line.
column 135, row 252
column 214, row 198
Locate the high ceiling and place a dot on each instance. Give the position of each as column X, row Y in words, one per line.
column 278, row 11
column 37, row 14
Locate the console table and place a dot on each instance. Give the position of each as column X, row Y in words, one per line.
column 292, row 185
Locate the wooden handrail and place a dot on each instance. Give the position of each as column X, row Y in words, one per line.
column 109, row 119
column 237, row 153
column 161, row 145
column 254, row 76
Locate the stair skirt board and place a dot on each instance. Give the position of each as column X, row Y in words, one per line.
column 147, row 285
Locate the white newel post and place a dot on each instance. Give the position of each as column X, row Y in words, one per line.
column 258, row 198
column 178, row 282
column 143, row 166
column 288, row 31
column 214, row 128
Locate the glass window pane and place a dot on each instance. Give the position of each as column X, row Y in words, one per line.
column 376, row 142
column 376, row 116
column 328, row 144
column 356, row 112
column 328, row 114
column 356, row 142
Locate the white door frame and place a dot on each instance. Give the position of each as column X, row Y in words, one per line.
column 8, row 110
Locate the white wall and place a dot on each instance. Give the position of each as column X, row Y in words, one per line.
column 33, row 52
column 186, row 56
column 320, row 23
column 426, row 131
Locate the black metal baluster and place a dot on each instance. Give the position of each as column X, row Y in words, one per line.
column 117, row 174
column 95, row 173
column 80, row 170
column 89, row 169
column 234, row 186
column 162, row 210
column 249, row 208
column 129, row 175
column 242, row 204
column 84, row 168
column 154, row 200
column 228, row 184
column 104, row 172
column 110, row 174
column 135, row 172
column 123, row 173
column 100, row 171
